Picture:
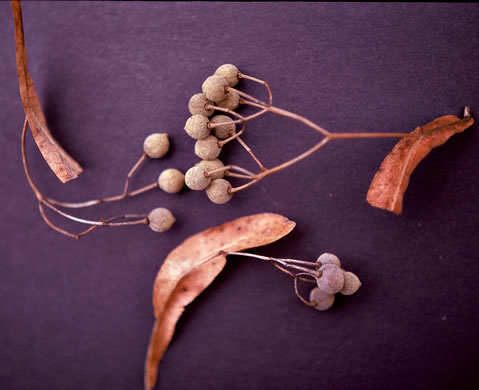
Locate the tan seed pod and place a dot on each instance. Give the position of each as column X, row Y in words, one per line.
column 212, row 165
column 156, row 145
column 195, row 178
column 223, row 131
column 207, row 148
column 321, row 300
column 332, row 279
column 231, row 101
column 197, row 126
column 351, row 283
column 229, row 72
column 197, row 105
column 160, row 219
column 171, row 180
column 327, row 258
column 214, row 88
column 219, row 191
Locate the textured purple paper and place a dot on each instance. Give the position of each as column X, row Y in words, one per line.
column 78, row 315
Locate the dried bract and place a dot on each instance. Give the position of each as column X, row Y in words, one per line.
column 193, row 265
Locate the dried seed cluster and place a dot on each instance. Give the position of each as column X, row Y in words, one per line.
column 210, row 129
column 332, row 280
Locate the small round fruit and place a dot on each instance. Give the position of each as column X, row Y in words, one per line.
column 321, row 300
column 231, row 101
column 229, row 72
column 332, row 279
column 160, row 219
column 171, row 180
column 351, row 283
column 212, row 165
column 195, row 178
column 207, row 148
column 226, row 130
column 197, row 105
column 197, row 126
column 327, row 258
column 214, row 88
column 219, row 191
column 156, row 145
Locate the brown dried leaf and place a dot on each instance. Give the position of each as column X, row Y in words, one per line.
column 61, row 163
column 391, row 180
column 192, row 266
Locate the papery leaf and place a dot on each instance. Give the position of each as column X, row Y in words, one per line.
column 193, row 265
column 391, row 180
column 61, row 163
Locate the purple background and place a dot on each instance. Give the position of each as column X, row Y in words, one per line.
column 78, row 314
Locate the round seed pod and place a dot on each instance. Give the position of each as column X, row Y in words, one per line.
column 327, row 258
column 332, row 279
column 197, row 126
column 223, row 131
column 197, row 105
column 160, row 219
column 207, row 148
column 156, row 145
column 171, row 180
column 214, row 88
column 195, row 178
column 219, row 191
column 211, row 165
column 229, row 72
column 321, row 300
column 231, row 101
column 351, row 283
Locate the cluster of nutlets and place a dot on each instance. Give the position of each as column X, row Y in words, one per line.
column 171, row 181
column 210, row 130
column 333, row 279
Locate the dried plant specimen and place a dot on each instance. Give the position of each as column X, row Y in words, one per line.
column 61, row 163
column 193, row 265
column 391, row 180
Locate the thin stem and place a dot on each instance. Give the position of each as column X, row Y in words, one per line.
column 307, row 303
column 143, row 157
column 233, row 137
column 245, row 95
column 262, row 82
column 144, row 189
column 292, row 274
column 143, row 220
column 229, row 167
column 283, row 262
column 302, row 156
column 244, row 186
column 239, row 176
column 334, row 136
column 248, row 149
column 123, row 195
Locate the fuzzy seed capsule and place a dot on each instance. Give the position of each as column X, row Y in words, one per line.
column 321, row 300
column 219, row 191
column 226, row 130
column 327, row 258
column 197, row 105
column 171, row 180
column 214, row 88
column 197, row 126
column 207, row 148
column 212, row 165
column 195, row 178
column 351, row 283
column 231, row 101
column 229, row 72
column 332, row 279
column 156, row 145
column 160, row 219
